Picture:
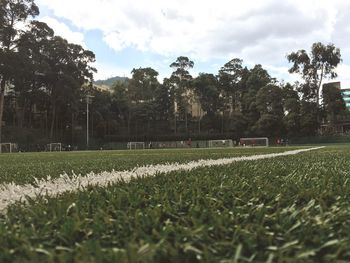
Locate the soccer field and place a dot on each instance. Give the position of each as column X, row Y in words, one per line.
column 282, row 208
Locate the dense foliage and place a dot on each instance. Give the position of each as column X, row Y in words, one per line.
column 41, row 73
column 286, row 209
column 46, row 80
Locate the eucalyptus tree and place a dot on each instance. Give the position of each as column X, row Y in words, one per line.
column 333, row 102
column 142, row 89
column 319, row 64
column 291, row 107
column 269, row 103
column 181, row 78
column 69, row 68
column 13, row 14
column 143, row 84
column 29, row 79
column 206, row 87
column 253, row 80
column 164, row 106
column 230, row 76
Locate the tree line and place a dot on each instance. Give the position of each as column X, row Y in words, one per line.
column 45, row 81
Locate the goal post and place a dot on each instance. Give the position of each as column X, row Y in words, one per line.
column 8, row 147
column 255, row 142
column 135, row 145
column 220, row 143
column 54, row 147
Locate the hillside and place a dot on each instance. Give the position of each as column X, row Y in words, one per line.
column 110, row 81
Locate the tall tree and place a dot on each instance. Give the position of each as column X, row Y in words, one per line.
column 291, row 104
column 12, row 13
column 181, row 78
column 29, row 83
column 207, row 89
column 164, row 106
column 68, row 68
column 121, row 103
column 314, row 67
column 230, row 77
column 141, row 90
column 270, row 106
column 143, row 84
column 253, row 80
column 333, row 102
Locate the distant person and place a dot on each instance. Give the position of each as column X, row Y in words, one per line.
column 189, row 142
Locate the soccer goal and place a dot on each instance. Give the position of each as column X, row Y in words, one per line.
column 253, row 142
column 8, row 147
column 220, row 143
column 54, row 147
column 135, row 145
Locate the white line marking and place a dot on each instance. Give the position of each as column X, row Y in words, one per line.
column 11, row 192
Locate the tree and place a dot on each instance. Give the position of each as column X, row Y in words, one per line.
column 270, row 106
column 230, row 77
column 308, row 118
column 143, row 84
column 207, row 89
column 121, row 102
column 12, row 12
column 141, row 91
column 29, row 84
column 291, row 104
column 252, row 81
column 164, row 106
column 68, row 68
column 314, row 67
column 333, row 101
column 181, row 78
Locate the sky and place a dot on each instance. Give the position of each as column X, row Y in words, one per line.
column 153, row 33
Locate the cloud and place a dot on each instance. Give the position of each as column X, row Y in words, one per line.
column 64, row 31
column 257, row 31
column 199, row 28
column 344, row 75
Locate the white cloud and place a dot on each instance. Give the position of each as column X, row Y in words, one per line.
column 254, row 30
column 344, row 75
column 64, row 31
column 201, row 28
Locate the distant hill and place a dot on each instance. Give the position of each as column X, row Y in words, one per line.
column 110, row 81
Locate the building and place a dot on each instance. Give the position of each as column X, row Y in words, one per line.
column 345, row 92
column 346, row 97
column 342, row 124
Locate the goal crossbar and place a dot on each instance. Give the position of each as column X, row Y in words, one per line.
column 8, row 147
column 135, row 145
column 254, row 141
column 220, row 143
column 54, row 147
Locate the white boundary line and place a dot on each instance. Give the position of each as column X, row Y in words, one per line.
column 11, row 192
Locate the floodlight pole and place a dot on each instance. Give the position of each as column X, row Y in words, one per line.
column 88, row 101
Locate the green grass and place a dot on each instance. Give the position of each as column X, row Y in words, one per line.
column 287, row 209
column 21, row 168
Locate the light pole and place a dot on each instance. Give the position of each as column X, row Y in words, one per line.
column 88, row 101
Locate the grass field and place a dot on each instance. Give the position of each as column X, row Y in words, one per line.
column 23, row 167
column 285, row 209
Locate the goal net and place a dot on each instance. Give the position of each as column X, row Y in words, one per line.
column 54, row 147
column 8, row 147
column 262, row 141
column 135, row 145
column 220, row 143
